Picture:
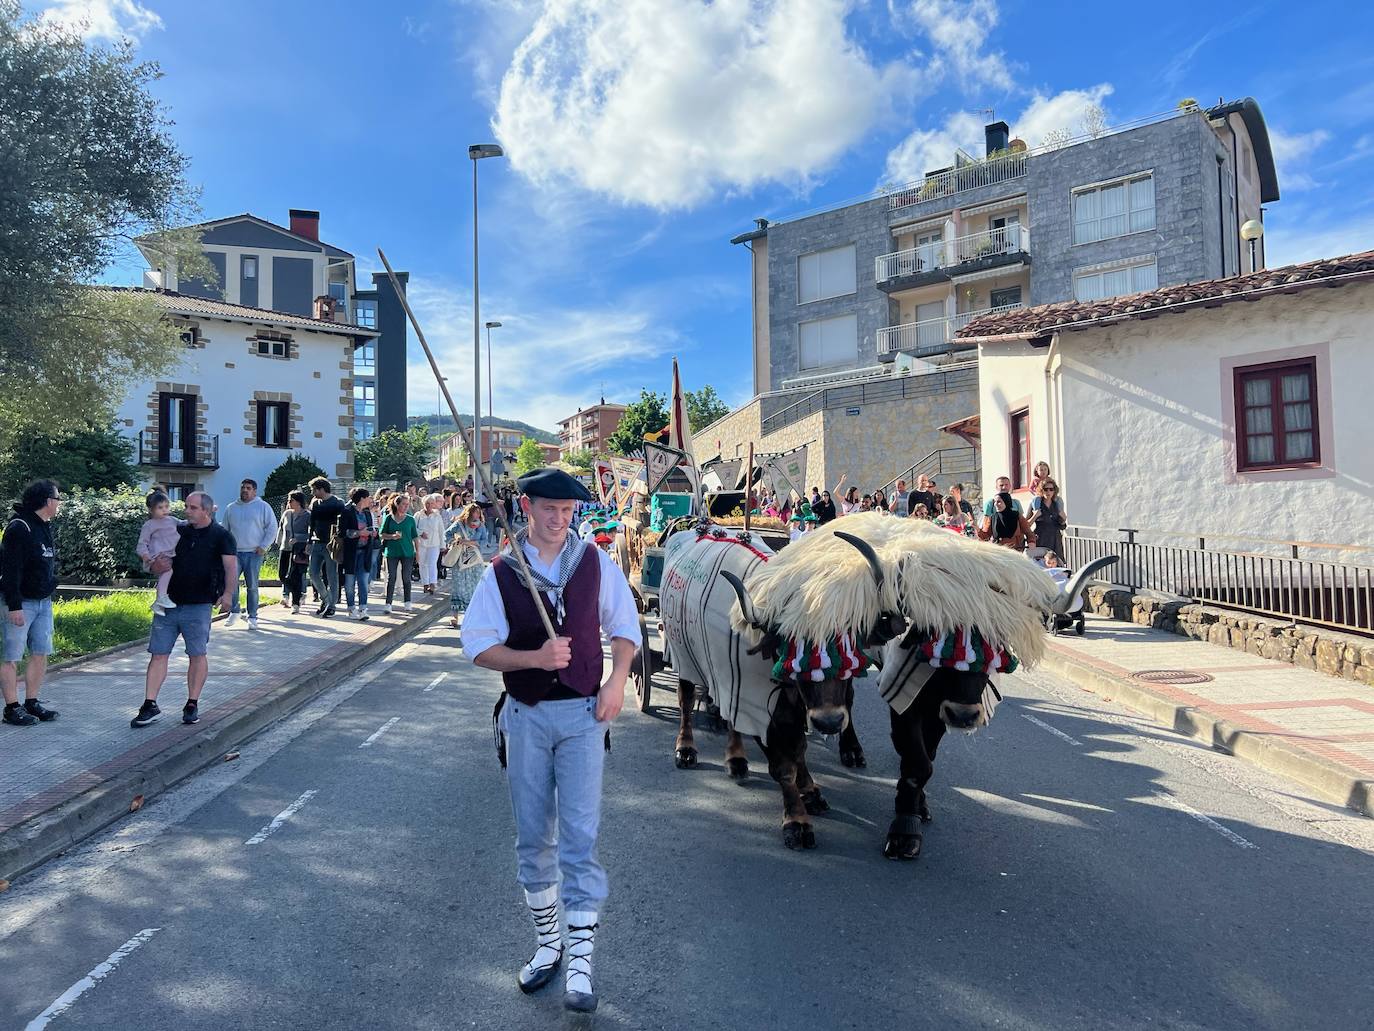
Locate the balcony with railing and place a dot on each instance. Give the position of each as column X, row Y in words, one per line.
column 178, row 450
column 943, row 259
column 931, row 336
column 951, row 181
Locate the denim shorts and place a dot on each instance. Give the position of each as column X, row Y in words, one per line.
column 36, row 633
column 192, row 622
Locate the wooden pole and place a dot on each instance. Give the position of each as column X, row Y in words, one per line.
column 518, row 552
column 748, row 488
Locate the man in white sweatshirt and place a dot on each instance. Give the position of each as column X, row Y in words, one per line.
column 254, row 526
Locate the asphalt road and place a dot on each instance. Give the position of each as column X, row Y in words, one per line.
column 1084, row 870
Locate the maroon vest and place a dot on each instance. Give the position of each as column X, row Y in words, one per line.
column 581, row 603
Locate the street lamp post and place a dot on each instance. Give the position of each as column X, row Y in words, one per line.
column 491, row 409
column 1252, row 230
column 476, row 152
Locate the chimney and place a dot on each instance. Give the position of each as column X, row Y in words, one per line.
column 762, row 223
column 996, row 135
column 324, row 308
column 305, row 223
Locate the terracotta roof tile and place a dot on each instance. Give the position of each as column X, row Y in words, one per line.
column 185, row 304
column 1208, row 293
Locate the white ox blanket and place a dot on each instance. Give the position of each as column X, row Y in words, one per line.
column 703, row 647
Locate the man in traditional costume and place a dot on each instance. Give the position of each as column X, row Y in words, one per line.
column 555, row 715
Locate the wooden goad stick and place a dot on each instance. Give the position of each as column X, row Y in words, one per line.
column 518, row 552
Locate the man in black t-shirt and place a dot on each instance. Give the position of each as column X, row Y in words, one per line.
column 324, row 571
column 205, row 570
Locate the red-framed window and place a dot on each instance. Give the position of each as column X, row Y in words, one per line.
column 1019, row 432
column 1276, row 415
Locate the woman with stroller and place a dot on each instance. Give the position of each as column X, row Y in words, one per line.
column 1048, row 517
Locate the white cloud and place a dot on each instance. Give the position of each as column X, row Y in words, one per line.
column 958, row 30
column 1291, row 151
column 925, row 150
column 1311, row 240
column 666, row 102
column 103, row 19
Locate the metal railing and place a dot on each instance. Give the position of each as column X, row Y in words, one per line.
column 924, row 385
column 1302, row 590
column 956, row 180
column 942, row 462
column 931, row 336
column 1012, row 239
column 826, row 379
column 204, row 455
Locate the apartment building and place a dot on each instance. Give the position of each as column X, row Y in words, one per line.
column 290, row 270
column 588, row 429
column 849, row 300
column 506, row 439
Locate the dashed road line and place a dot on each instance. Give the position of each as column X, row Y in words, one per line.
column 281, row 818
column 380, row 731
column 436, row 681
column 1225, row 832
column 66, row 999
column 1053, row 730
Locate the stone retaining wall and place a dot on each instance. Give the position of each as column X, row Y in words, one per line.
column 1329, row 651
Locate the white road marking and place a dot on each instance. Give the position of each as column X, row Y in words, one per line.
column 66, row 999
column 1225, row 832
column 84, row 868
column 1053, row 730
column 380, row 731
column 281, row 818
column 437, row 681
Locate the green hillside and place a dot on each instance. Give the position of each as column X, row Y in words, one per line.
column 442, row 426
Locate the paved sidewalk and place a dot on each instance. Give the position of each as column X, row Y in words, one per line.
column 1310, row 727
column 65, row 779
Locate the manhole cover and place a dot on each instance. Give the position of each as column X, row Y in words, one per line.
column 1171, row 676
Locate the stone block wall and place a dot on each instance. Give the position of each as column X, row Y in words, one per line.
column 1327, row 651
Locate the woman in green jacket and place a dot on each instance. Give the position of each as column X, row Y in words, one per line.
column 398, row 543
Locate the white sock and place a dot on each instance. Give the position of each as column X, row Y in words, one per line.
column 548, row 935
column 581, row 940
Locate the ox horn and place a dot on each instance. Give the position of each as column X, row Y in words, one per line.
column 1079, row 581
column 866, row 550
column 746, row 603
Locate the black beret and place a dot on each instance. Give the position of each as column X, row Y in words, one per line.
column 554, row 484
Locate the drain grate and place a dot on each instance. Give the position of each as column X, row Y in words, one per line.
column 1172, row 676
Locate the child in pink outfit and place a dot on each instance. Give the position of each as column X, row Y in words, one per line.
column 158, row 539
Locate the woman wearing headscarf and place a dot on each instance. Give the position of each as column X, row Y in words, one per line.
column 1006, row 526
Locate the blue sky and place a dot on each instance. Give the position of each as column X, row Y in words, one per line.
column 643, row 134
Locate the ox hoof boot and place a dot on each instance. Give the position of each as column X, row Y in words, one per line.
column 903, row 838
column 738, row 768
column 815, row 802
column 854, row 760
column 798, row 835
column 685, row 758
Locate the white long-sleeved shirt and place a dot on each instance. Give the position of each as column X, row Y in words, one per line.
column 485, row 623
column 253, row 524
column 433, row 524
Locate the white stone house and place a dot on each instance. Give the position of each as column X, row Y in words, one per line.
column 253, row 386
column 1233, row 407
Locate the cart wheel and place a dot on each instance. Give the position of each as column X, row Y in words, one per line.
column 643, row 669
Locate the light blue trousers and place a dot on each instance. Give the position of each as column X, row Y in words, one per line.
column 555, row 752
column 250, row 566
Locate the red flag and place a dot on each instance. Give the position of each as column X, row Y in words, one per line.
column 678, row 426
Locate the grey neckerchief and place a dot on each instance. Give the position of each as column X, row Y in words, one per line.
column 568, row 559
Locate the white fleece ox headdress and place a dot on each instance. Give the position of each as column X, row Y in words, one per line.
column 820, row 586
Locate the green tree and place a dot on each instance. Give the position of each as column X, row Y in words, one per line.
column 704, row 407
column 298, row 470
column 647, row 415
column 457, row 463
column 528, row 456
column 96, row 457
column 89, row 165
column 580, row 459
column 394, row 455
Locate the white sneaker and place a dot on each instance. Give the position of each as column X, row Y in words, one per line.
column 166, row 602
column 233, row 618
column 252, row 622
column 386, row 610
column 159, row 609
column 406, row 606
column 352, row 612
column 295, row 610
